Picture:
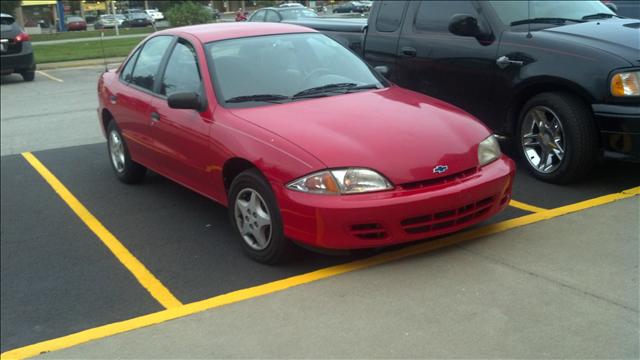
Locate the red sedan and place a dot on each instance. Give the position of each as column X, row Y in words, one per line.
column 75, row 23
column 299, row 138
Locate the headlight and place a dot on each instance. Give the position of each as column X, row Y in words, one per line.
column 626, row 84
column 488, row 151
column 341, row 181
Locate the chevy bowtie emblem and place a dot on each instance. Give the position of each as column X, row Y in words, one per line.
column 440, row 169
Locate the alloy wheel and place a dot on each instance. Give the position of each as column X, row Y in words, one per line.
column 116, row 151
column 253, row 219
column 543, row 140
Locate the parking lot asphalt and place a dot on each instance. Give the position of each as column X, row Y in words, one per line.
column 59, row 279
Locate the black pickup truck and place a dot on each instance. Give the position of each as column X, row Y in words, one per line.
column 561, row 79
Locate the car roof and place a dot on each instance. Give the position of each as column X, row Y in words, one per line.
column 5, row 15
column 222, row 31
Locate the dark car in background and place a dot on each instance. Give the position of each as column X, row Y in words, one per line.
column 280, row 14
column 626, row 8
column 75, row 23
column 16, row 52
column 137, row 19
column 351, row 7
column 561, row 79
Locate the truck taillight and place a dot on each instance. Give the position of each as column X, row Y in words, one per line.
column 23, row 36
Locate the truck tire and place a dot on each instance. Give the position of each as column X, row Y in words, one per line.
column 557, row 137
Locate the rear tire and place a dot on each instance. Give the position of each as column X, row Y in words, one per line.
column 255, row 217
column 28, row 75
column 126, row 170
column 557, row 137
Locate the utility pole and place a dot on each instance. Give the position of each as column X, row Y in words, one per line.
column 112, row 8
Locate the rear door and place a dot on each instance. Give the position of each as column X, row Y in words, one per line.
column 382, row 36
column 432, row 60
column 132, row 97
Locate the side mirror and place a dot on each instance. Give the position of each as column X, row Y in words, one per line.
column 382, row 70
column 464, row 25
column 185, row 100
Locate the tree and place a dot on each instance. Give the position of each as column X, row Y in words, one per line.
column 188, row 13
column 9, row 6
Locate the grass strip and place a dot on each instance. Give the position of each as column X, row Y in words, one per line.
column 87, row 34
column 84, row 50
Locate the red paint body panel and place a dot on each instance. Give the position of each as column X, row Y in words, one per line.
column 328, row 221
column 400, row 133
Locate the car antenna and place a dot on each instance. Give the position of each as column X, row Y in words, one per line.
column 529, row 36
column 104, row 56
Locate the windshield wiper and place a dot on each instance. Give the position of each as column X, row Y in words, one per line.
column 545, row 20
column 600, row 16
column 341, row 88
column 272, row 98
column 323, row 89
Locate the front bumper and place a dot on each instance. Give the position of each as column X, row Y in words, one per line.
column 401, row 215
column 10, row 63
column 619, row 130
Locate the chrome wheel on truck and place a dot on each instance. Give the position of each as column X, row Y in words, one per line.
column 558, row 138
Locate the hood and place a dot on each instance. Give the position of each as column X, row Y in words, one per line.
column 617, row 36
column 397, row 132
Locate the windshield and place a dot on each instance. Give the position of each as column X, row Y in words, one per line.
column 295, row 13
column 284, row 65
column 512, row 11
column 74, row 18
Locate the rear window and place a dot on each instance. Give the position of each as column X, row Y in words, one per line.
column 6, row 23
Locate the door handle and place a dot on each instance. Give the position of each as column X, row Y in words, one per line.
column 155, row 117
column 504, row 61
column 113, row 99
column 409, row 51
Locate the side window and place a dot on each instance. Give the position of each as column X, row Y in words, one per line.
column 128, row 68
column 149, row 60
column 390, row 15
column 272, row 16
column 435, row 15
column 182, row 72
column 258, row 17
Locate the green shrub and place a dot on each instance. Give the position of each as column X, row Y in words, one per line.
column 188, row 13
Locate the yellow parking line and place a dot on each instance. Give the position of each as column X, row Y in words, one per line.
column 49, row 76
column 279, row 285
column 139, row 271
column 526, row 207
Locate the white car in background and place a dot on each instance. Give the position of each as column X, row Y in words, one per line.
column 155, row 14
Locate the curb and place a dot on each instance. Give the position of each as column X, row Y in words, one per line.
column 79, row 63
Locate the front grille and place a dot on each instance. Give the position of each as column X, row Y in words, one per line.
column 371, row 231
column 448, row 218
column 462, row 175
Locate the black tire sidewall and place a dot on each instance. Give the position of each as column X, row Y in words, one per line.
column 579, row 134
column 28, row 75
column 279, row 247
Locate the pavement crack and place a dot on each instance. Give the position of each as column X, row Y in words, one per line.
column 555, row 281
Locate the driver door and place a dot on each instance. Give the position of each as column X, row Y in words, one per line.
column 182, row 135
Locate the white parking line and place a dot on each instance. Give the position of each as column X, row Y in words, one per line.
column 49, row 76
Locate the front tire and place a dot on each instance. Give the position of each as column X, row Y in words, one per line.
column 255, row 216
column 558, row 139
column 126, row 170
